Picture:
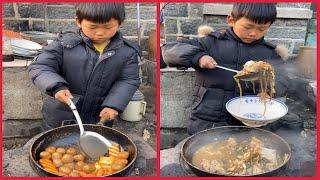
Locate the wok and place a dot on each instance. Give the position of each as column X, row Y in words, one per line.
column 196, row 141
column 66, row 136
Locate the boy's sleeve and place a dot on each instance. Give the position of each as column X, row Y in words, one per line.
column 184, row 53
column 124, row 88
column 44, row 70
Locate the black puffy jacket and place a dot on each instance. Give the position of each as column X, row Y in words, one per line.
column 96, row 81
column 214, row 87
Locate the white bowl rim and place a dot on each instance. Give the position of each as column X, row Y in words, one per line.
column 251, row 119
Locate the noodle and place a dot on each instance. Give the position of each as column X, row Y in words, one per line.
column 265, row 74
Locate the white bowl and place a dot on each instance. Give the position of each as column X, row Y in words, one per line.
column 249, row 110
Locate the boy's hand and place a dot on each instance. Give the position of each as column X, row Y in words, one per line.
column 107, row 114
column 207, row 62
column 63, row 96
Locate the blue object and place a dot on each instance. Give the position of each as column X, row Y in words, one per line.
column 161, row 18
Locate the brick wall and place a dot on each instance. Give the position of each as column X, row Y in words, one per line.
column 183, row 19
column 56, row 17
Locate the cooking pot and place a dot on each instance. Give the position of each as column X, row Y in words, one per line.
column 66, row 136
column 135, row 109
column 241, row 133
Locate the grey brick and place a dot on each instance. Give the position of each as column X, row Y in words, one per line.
column 129, row 28
column 35, row 10
column 296, row 22
column 286, row 33
column 17, row 25
column 215, row 19
column 38, row 26
column 148, row 27
column 171, row 26
column 61, row 12
column 196, row 9
column 7, row 9
column 176, row 10
column 294, row 5
column 145, row 12
column 190, row 26
column 49, row 4
column 57, row 26
column 279, row 22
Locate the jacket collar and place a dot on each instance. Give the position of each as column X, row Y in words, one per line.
column 230, row 33
column 115, row 42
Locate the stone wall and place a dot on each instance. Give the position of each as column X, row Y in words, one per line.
column 57, row 17
column 183, row 19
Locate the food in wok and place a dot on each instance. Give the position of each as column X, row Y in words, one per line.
column 70, row 162
column 237, row 158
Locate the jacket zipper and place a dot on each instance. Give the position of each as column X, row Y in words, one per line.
column 90, row 77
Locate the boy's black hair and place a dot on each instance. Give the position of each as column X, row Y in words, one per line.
column 260, row 13
column 100, row 12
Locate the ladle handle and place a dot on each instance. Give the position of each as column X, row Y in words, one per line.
column 228, row 69
column 76, row 114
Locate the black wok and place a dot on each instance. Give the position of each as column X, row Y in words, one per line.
column 66, row 136
column 196, row 141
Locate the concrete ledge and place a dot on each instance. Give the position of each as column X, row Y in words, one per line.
column 176, row 97
column 282, row 12
column 21, row 99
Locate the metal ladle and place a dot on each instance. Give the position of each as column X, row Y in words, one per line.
column 91, row 143
column 246, row 77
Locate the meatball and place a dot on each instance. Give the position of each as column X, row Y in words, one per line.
column 71, row 151
column 88, row 168
column 45, row 155
column 61, row 150
column 65, row 169
column 79, row 165
column 56, row 155
column 51, row 149
column 67, row 158
column 57, row 162
column 78, row 157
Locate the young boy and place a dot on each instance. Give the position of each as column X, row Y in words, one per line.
column 95, row 66
column 243, row 41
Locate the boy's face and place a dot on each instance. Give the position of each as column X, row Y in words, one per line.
column 247, row 30
column 99, row 32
